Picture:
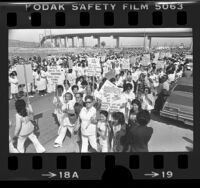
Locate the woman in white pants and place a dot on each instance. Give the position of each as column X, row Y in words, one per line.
column 88, row 125
column 24, row 128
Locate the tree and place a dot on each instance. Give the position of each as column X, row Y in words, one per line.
column 103, row 44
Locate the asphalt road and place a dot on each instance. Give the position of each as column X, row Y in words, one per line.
column 168, row 135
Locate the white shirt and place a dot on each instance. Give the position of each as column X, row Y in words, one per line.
column 166, row 85
column 129, row 97
column 155, row 80
column 171, row 77
column 117, row 70
column 135, row 76
column 102, row 127
column 13, row 85
column 67, row 123
column 87, row 128
column 145, row 103
column 41, row 81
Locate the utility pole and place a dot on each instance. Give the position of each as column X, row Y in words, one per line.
column 51, row 37
column 40, row 39
column 144, row 42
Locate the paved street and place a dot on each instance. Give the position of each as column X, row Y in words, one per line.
column 168, row 135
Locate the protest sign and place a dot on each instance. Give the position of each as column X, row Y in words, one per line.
column 55, row 74
column 24, row 74
column 145, row 60
column 133, row 60
column 110, row 96
column 94, row 67
column 125, row 64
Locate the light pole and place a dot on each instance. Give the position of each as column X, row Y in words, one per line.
column 40, row 39
column 51, row 38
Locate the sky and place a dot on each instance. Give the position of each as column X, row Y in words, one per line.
column 33, row 35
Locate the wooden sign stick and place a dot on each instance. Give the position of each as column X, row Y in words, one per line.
column 25, row 76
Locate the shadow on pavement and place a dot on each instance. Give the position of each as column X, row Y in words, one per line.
column 187, row 140
column 55, row 119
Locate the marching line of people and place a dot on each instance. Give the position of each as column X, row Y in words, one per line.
column 78, row 106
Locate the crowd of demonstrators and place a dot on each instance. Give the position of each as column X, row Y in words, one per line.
column 77, row 104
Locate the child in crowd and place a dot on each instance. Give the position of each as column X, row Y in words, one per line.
column 103, row 131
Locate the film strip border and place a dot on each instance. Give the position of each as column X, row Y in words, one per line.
column 136, row 15
column 96, row 166
column 85, row 19
column 86, row 160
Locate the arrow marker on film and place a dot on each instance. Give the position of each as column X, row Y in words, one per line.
column 153, row 174
column 50, row 175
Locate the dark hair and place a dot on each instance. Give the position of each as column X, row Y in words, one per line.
column 119, row 116
column 102, row 82
column 66, row 82
column 143, row 117
column 77, row 108
column 136, row 101
column 74, row 86
column 130, row 122
column 84, row 82
column 112, row 80
column 95, row 86
column 60, row 87
column 131, row 111
column 126, row 86
column 129, row 72
column 15, row 73
column 20, row 106
column 89, row 97
column 105, row 113
column 11, row 74
column 68, row 93
column 121, row 73
column 164, row 78
column 149, row 90
column 81, row 94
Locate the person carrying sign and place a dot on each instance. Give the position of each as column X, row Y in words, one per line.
column 24, row 127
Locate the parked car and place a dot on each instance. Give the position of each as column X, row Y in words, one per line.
column 179, row 105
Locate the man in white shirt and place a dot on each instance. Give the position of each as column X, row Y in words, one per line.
column 88, row 125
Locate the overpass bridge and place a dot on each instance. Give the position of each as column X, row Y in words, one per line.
column 147, row 34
